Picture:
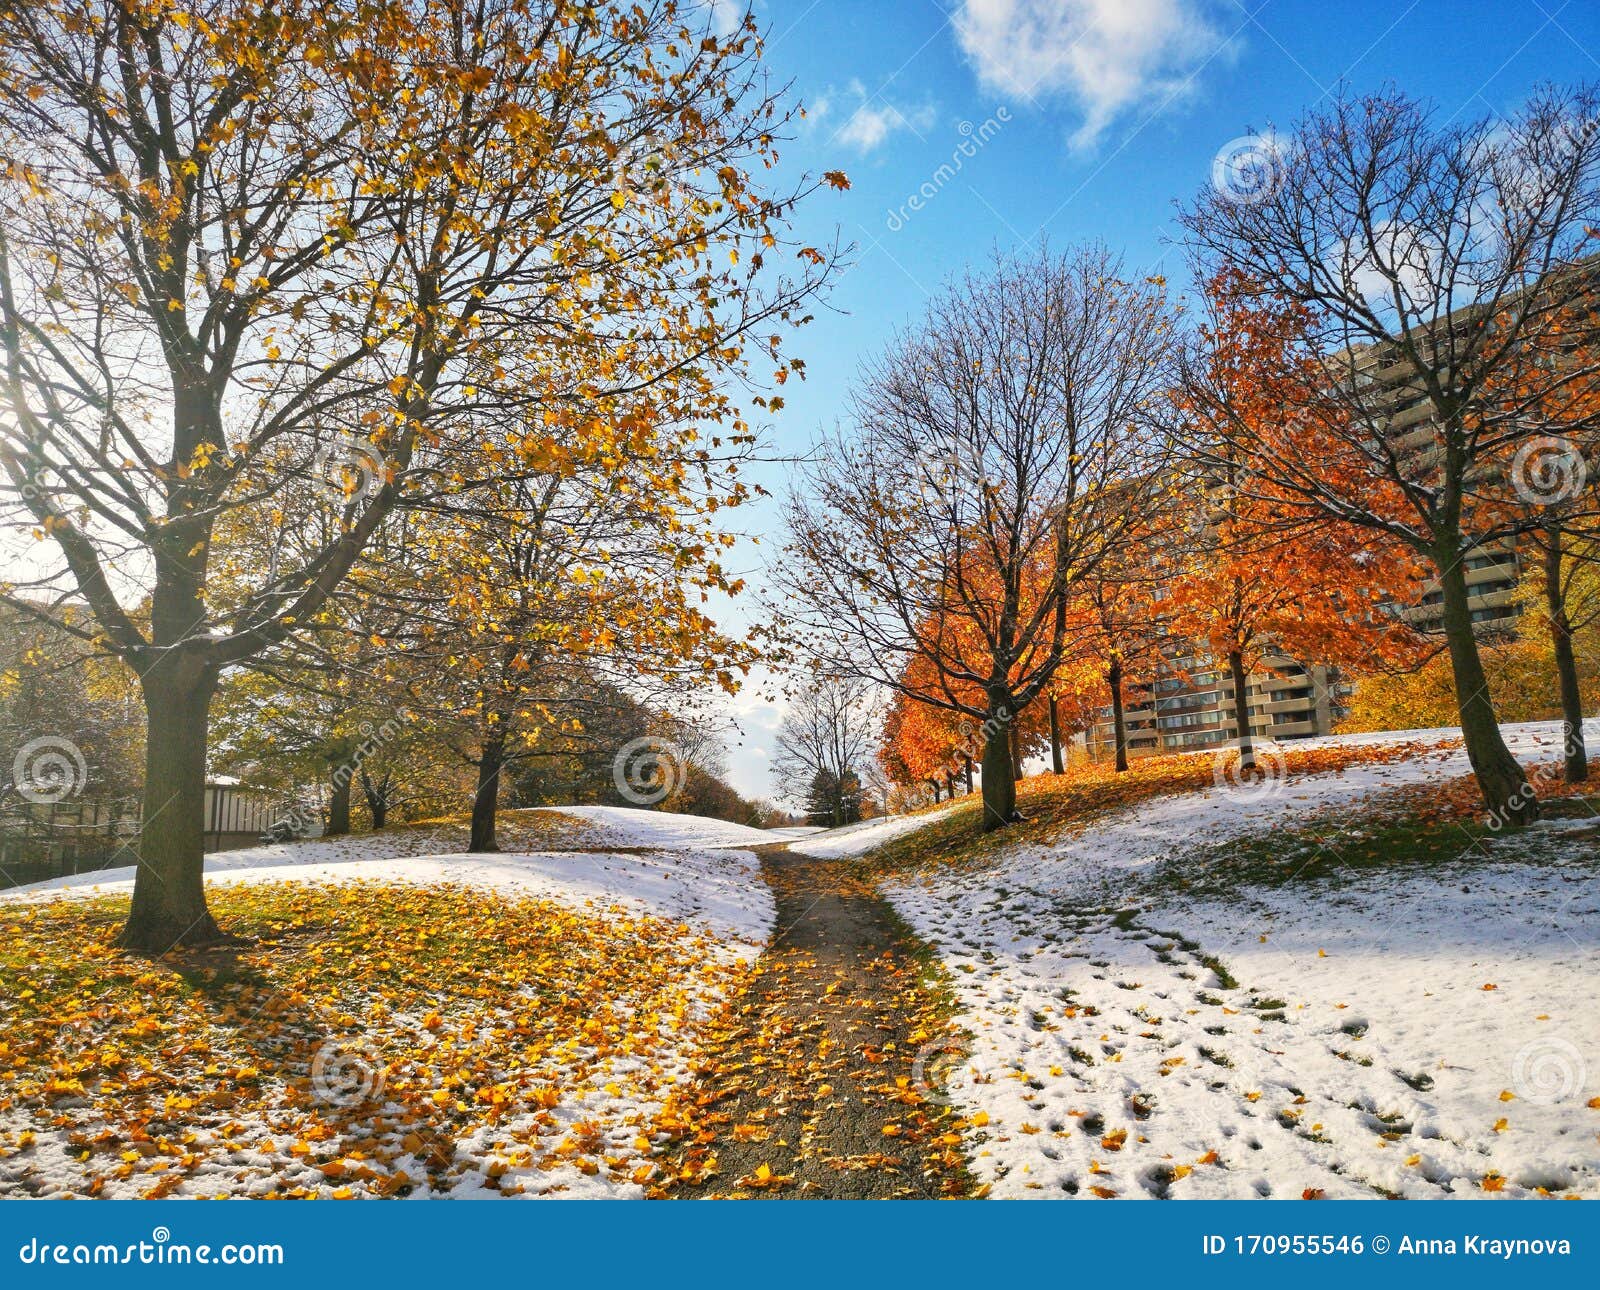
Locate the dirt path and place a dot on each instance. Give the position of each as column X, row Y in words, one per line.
column 821, row 1083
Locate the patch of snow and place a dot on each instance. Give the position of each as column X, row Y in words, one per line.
column 1351, row 1048
column 857, row 839
column 720, row 890
column 627, row 827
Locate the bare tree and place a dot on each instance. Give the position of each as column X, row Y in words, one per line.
column 827, row 737
column 1565, row 573
column 1435, row 265
column 1002, row 451
column 875, row 786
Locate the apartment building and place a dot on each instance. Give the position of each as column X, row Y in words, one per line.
column 1189, row 705
column 1493, row 572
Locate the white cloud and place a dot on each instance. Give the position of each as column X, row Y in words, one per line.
column 871, row 122
column 870, row 125
column 1106, row 56
column 726, row 15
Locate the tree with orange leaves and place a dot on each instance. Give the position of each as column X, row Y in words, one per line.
column 936, row 744
column 1413, row 261
column 919, row 745
column 1255, row 575
column 1003, row 449
column 930, row 741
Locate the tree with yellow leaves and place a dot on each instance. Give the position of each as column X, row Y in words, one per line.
column 253, row 253
column 536, row 589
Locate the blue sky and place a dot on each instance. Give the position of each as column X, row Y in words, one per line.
column 1095, row 116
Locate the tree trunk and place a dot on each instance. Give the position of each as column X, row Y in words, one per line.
column 1119, row 715
column 967, row 761
column 339, row 803
column 1016, row 753
column 1577, row 756
column 169, row 900
column 999, row 782
column 486, row 801
column 377, row 794
column 1505, row 788
column 935, row 784
column 1057, row 766
column 169, row 897
column 1241, row 710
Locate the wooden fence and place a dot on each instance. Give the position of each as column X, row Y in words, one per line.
column 44, row 840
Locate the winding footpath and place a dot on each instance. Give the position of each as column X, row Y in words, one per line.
column 818, row 1089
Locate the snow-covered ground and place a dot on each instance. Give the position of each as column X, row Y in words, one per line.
column 623, row 826
column 858, row 839
column 678, row 868
column 686, row 869
column 1419, row 1033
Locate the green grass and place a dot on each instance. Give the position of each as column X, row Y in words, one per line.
column 1053, row 805
column 1346, row 846
column 1408, row 829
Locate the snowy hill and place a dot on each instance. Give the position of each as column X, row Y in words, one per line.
column 858, row 839
column 623, row 826
column 692, row 870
